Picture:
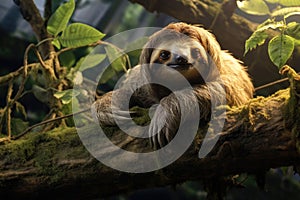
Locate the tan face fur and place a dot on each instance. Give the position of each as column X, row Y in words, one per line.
column 186, row 56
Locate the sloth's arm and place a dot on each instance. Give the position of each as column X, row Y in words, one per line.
column 184, row 102
column 119, row 102
column 102, row 108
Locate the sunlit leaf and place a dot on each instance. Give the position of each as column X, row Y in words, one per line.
column 256, row 39
column 56, row 43
column 293, row 30
column 66, row 95
column 90, row 61
column 289, row 2
column 280, row 49
column 116, row 58
column 285, row 2
column 78, row 34
column 254, row 7
column 271, row 24
column 60, row 18
column 286, row 12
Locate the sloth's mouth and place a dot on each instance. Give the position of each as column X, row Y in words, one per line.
column 184, row 66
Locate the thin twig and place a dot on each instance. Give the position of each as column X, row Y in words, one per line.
column 25, row 73
column 12, row 75
column 8, row 109
column 10, row 102
column 46, row 122
column 271, row 84
column 37, row 53
column 43, row 41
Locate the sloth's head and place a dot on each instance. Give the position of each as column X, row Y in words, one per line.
column 188, row 49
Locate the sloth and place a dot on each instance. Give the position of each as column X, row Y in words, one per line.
column 177, row 50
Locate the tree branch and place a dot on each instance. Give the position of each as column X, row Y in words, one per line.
column 256, row 137
column 226, row 24
column 231, row 31
column 31, row 14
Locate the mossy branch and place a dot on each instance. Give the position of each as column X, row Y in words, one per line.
column 292, row 116
column 56, row 163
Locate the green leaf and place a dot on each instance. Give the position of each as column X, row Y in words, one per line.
column 285, row 2
column 286, row 12
column 272, row 1
column 90, row 61
column 67, row 59
column 293, row 30
column 107, row 75
column 66, row 95
column 256, row 39
column 78, row 34
column 270, row 24
column 56, row 43
column 60, row 18
column 289, row 2
column 254, row 7
column 280, row 49
column 116, row 58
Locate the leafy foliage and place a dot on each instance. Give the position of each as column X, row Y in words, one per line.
column 254, row 7
column 280, row 55
column 60, row 18
column 256, row 39
column 77, row 35
column 53, row 77
column 66, row 95
column 281, row 46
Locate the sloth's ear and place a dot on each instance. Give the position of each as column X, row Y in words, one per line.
column 210, row 45
column 145, row 56
column 147, row 50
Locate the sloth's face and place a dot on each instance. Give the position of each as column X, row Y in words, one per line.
column 188, row 57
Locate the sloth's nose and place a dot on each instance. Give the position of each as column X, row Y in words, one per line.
column 180, row 59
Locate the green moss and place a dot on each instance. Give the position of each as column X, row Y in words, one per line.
column 43, row 151
column 140, row 115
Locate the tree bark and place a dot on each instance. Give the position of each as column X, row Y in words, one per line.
column 32, row 15
column 231, row 31
column 212, row 15
column 261, row 135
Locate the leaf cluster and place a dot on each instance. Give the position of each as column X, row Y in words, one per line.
column 52, row 78
column 280, row 46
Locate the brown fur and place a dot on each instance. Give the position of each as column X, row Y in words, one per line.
column 215, row 69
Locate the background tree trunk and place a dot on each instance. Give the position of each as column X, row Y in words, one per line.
column 231, row 31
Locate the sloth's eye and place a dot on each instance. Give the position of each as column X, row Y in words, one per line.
column 195, row 53
column 164, row 55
